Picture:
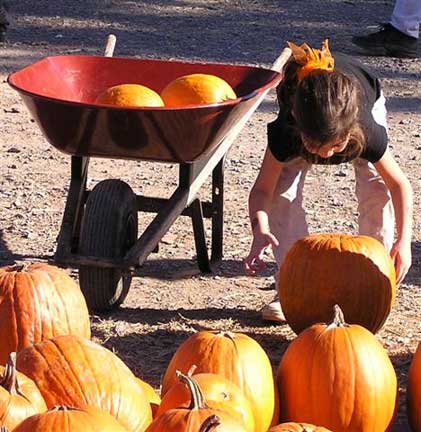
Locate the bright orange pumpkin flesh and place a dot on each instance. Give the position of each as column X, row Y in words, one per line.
column 76, row 372
column 297, row 427
column 191, row 418
column 338, row 376
column 65, row 419
column 38, row 302
column 355, row 272
column 235, row 356
column 152, row 396
column 130, row 95
column 197, row 89
column 19, row 396
column 219, row 393
column 413, row 394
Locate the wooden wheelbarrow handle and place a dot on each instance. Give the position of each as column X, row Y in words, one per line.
column 279, row 63
column 110, row 45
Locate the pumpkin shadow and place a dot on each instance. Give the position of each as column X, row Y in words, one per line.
column 401, row 363
column 5, row 253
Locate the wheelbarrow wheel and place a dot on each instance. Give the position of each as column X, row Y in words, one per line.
column 109, row 228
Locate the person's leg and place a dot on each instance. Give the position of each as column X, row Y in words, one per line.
column 287, row 220
column 399, row 38
column 406, row 17
column 375, row 210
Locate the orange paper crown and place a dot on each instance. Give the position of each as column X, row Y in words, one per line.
column 311, row 59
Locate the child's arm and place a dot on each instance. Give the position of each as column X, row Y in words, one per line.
column 401, row 192
column 260, row 200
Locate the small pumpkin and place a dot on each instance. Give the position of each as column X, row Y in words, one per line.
column 219, row 393
column 355, row 272
column 37, row 302
column 76, row 372
column 130, row 95
column 197, row 89
column 19, row 396
column 65, row 419
column 413, row 393
column 235, row 356
column 191, row 418
column 339, row 376
column 297, row 427
column 152, row 396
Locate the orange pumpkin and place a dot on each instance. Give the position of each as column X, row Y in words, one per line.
column 152, row 396
column 338, row 376
column 77, row 372
column 297, row 427
column 236, row 357
column 19, row 396
column 413, row 394
column 65, row 419
column 130, row 95
column 191, row 418
column 219, row 393
column 38, row 302
column 321, row 270
column 197, row 89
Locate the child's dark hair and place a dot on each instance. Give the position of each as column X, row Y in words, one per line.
column 323, row 106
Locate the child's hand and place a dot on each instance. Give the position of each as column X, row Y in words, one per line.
column 254, row 261
column 401, row 255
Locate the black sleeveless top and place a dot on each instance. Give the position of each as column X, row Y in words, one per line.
column 285, row 145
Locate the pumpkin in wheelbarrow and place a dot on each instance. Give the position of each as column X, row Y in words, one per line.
column 197, row 89
column 125, row 95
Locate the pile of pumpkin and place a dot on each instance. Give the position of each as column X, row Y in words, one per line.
column 191, row 89
column 336, row 375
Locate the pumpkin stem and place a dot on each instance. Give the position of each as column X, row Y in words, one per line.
column 17, row 267
column 9, row 380
column 228, row 334
column 191, row 371
column 210, row 423
column 339, row 319
column 4, row 429
column 197, row 400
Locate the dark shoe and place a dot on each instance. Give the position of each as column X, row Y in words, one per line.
column 388, row 41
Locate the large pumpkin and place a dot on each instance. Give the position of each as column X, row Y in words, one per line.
column 77, row 372
column 152, row 396
column 38, row 302
column 297, row 427
column 236, row 357
column 130, row 95
column 19, row 396
column 219, row 393
column 321, row 270
column 192, row 417
column 65, row 419
column 338, row 376
column 197, row 89
column 414, row 392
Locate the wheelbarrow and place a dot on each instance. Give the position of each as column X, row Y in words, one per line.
column 99, row 230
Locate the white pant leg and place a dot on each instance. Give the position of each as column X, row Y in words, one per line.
column 287, row 218
column 376, row 215
column 406, row 17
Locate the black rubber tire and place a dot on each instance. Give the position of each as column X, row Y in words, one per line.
column 109, row 228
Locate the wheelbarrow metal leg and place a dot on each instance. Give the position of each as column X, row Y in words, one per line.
column 200, row 236
column 218, row 212
column 76, row 198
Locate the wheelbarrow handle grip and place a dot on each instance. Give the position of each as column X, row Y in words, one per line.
column 281, row 60
column 109, row 47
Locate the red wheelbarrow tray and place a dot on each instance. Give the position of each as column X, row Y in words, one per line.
column 60, row 93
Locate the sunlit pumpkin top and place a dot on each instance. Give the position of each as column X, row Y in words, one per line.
column 130, row 95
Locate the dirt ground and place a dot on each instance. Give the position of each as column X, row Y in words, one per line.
column 170, row 299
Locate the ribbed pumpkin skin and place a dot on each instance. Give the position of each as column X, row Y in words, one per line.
column 76, row 372
column 218, row 392
column 413, row 394
column 71, row 420
column 126, row 95
column 355, row 272
column 235, row 356
column 297, row 427
column 338, row 377
column 197, row 89
column 17, row 406
column 39, row 302
column 152, row 396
